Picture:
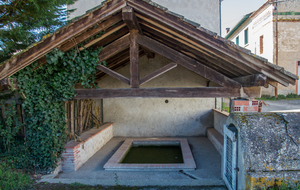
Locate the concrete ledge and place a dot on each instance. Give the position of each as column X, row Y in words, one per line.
column 77, row 153
column 114, row 163
column 222, row 112
column 216, row 138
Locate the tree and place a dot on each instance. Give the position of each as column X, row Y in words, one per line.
column 23, row 22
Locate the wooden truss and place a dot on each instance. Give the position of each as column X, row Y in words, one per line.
column 135, row 39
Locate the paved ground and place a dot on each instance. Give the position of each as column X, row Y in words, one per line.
column 208, row 172
column 282, row 105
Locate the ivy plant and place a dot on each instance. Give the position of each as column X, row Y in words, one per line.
column 45, row 88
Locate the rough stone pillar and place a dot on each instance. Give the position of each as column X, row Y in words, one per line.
column 268, row 149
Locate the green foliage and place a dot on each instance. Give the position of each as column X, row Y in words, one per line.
column 23, row 22
column 225, row 107
column 280, row 97
column 10, row 125
column 285, row 186
column 11, row 179
column 46, row 88
column 117, row 182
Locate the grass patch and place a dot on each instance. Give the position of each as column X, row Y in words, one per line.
column 280, row 97
column 225, row 107
column 285, row 186
column 13, row 179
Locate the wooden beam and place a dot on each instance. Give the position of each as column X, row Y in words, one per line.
column 90, row 33
column 158, row 73
column 34, row 53
column 252, row 80
column 113, row 74
column 10, row 83
column 187, row 62
column 114, row 48
column 251, row 92
column 134, row 60
column 157, row 93
column 272, row 83
column 130, row 19
column 133, row 24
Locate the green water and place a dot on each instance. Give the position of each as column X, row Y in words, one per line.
column 154, row 155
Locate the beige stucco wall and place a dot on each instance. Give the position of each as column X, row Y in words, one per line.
column 203, row 12
column 148, row 117
column 289, row 40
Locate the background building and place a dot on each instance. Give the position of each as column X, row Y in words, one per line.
column 206, row 13
column 273, row 32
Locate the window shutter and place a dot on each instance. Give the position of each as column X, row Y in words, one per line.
column 261, row 44
column 230, row 157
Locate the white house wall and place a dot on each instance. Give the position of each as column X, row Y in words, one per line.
column 204, row 12
column 262, row 25
column 258, row 26
column 149, row 117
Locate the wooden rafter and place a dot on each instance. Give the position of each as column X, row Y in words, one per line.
column 113, row 74
column 133, row 24
column 114, row 48
column 187, row 62
column 158, row 73
column 157, row 93
column 92, row 42
column 90, row 33
column 134, row 60
column 39, row 50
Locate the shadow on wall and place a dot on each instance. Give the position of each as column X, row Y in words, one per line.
column 150, row 117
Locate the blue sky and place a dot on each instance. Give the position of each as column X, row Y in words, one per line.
column 234, row 10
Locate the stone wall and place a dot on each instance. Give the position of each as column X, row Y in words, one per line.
column 268, row 148
column 288, row 39
column 148, row 117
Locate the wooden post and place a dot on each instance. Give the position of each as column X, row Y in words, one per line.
column 134, row 60
column 81, row 116
column 72, row 117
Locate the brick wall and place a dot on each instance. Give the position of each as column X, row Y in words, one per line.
column 77, row 153
column 244, row 106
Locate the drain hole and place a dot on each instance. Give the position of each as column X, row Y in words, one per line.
column 190, row 176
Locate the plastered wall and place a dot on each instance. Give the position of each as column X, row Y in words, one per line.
column 203, row 12
column 149, row 117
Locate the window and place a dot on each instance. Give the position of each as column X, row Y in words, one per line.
column 237, row 41
column 261, row 44
column 246, row 36
column 298, row 63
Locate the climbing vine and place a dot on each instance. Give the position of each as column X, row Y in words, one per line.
column 45, row 88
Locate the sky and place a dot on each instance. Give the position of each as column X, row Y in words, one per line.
column 234, row 10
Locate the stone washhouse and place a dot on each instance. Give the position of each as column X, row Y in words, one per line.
column 163, row 79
